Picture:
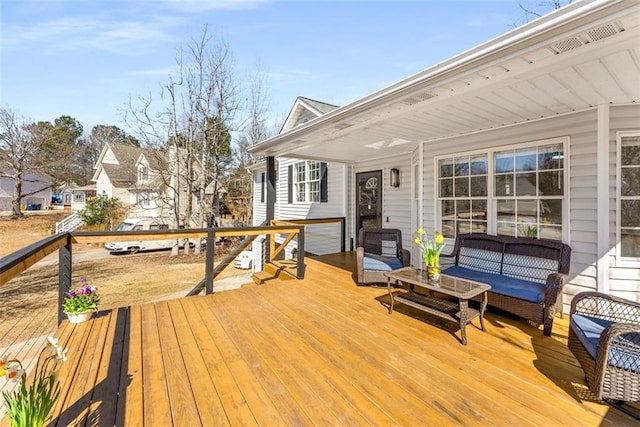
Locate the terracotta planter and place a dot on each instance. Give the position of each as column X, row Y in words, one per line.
column 79, row 317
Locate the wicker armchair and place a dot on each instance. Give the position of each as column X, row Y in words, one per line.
column 379, row 251
column 604, row 335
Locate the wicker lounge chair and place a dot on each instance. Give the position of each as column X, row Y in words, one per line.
column 379, row 251
column 604, row 335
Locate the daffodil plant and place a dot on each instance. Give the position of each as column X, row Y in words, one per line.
column 431, row 248
column 29, row 405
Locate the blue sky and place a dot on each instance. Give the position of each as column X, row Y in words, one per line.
column 86, row 58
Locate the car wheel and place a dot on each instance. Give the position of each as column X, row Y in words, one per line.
column 134, row 250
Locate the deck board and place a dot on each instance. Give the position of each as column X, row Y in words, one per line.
column 320, row 351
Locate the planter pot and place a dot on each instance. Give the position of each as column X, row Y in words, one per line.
column 79, row 317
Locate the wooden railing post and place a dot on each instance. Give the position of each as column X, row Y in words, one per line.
column 64, row 274
column 211, row 248
column 300, row 265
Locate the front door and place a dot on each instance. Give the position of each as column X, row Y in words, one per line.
column 368, row 200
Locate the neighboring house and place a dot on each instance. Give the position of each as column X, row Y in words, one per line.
column 124, row 172
column 36, row 188
column 537, row 128
column 139, row 178
column 75, row 196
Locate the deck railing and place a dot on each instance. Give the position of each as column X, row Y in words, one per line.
column 19, row 261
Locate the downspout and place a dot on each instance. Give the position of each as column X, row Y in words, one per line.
column 602, row 199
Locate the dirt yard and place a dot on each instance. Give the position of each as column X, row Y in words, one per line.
column 122, row 280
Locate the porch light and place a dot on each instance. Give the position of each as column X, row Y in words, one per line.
column 394, row 179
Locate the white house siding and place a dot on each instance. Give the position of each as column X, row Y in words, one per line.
column 624, row 281
column 396, row 202
column 580, row 128
column 259, row 208
column 319, row 238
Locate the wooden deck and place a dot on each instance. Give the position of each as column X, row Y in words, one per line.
column 321, row 351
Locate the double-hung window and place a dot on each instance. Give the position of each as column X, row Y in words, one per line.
column 513, row 192
column 529, row 191
column 629, row 197
column 307, row 181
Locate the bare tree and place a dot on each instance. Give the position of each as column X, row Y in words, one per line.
column 537, row 9
column 192, row 129
column 19, row 141
column 240, row 182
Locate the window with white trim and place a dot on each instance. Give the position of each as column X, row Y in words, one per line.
column 143, row 174
column 463, row 194
column 513, row 192
column 306, row 181
column 629, row 196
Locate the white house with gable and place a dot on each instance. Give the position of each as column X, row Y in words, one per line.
column 539, row 126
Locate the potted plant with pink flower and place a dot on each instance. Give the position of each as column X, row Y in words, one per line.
column 81, row 302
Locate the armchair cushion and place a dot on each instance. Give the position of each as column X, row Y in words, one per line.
column 379, row 251
column 589, row 329
column 381, row 262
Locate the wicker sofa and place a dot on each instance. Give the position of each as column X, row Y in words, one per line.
column 604, row 335
column 526, row 274
column 379, row 251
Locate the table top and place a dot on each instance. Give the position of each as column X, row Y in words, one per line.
column 449, row 285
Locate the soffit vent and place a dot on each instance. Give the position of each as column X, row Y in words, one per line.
column 421, row 97
column 602, row 32
column 590, row 36
column 567, row 45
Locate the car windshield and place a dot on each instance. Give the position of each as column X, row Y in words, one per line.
column 125, row 226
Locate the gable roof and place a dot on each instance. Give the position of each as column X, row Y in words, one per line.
column 123, row 173
column 302, row 106
column 572, row 59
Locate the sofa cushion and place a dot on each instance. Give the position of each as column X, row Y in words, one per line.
column 480, row 259
column 380, row 263
column 528, row 267
column 588, row 330
column 510, row 286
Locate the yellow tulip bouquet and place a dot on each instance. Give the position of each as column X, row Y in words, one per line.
column 430, row 248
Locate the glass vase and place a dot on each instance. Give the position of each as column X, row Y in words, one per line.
column 433, row 274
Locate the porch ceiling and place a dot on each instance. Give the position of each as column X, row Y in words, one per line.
column 587, row 55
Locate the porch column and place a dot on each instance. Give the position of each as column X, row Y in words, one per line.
column 271, row 200
column 602, row 197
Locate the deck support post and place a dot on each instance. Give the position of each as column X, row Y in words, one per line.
column 271, row 202
column 343, row 233
column 209, row 258
column 64, row 274
column 300, row 253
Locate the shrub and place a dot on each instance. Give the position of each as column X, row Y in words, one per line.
column 101, row 210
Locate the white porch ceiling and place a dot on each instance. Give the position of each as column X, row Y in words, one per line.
column 570, row 61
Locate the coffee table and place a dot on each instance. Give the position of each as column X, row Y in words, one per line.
column 461, row 289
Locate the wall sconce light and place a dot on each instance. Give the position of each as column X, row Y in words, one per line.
column 394, row 179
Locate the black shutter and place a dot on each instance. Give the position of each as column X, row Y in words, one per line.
column 290, row 184
column 323, row 182
column 262, row 184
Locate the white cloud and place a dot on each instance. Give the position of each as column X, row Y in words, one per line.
column 74, row 33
